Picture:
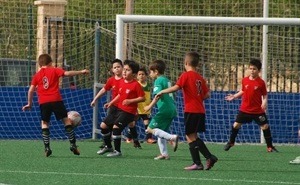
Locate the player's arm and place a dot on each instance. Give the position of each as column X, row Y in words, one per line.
column 231, row 97
column 30, row 98
column 264, row 102
column 107, row 105
column 74, row 73
column 100, row 93
column 152, row 103
column 168, row 90
column 134, row 100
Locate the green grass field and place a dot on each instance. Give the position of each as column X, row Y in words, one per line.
column 23, row 162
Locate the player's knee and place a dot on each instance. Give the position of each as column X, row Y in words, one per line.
column 237, row 125
column 103, row 125
column 264, row 126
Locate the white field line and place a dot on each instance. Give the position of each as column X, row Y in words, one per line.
column 152, row 177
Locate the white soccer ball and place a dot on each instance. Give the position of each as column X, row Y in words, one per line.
column 75, row 118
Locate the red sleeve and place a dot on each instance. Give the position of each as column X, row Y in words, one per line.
column 108, row 84
column 181, row 81
column 60, row 72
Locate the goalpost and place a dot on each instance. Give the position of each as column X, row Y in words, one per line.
column 226, row 44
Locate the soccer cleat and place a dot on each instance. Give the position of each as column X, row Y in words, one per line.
column 272, row 149
column 210, row 162
column 151, row 141
column 136, row 144
column 74, row 149
column 162, row 157
column 48, row 152
column 175, row 143
column 114, row 153
column 295, row 161
column 128, row 140
column 104, row 150
column 194, row 167
column 228, row 146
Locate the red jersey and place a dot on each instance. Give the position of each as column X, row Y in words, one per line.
column 130, row 90
column 252, row 96
column 113, row 84
column 47, row 83
column 194, row 88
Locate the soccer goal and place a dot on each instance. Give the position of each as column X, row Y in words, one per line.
column 226, row 45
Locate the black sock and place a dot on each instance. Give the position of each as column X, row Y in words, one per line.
column 268, row 137
column 129, row 136
column 117, row 138
column 148, row 135
column 46, row 137
column 106, row 137
column 203, row 149
column 134, row 133
column 70, row 133
column 194, row 150
column 233, row 135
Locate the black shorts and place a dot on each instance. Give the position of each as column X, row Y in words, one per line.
column 58, row 108
column 112, row 115
column 194, row 122
column 123, row 119
column 243, row 117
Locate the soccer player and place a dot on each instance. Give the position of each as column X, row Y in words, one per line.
column 112, row 84
column 297, row 159
column 162, row 120
column 253, row 107
column 145, row 116
column 46, row 81
column 130, row 94
column 195, row 91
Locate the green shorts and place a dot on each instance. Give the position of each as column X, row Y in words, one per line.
column 162, row 120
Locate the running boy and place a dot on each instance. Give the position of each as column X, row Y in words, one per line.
column 145, row 116
column 195, row 91
column 161, row 122
column 46, row 81
column 130, row 94
column 254, row 104
column 112, row 84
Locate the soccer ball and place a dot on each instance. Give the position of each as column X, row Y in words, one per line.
column 75, row 118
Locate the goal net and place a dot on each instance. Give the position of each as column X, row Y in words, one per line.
column 226, row 46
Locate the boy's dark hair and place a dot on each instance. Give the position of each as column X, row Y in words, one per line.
column 158, row 65
column 144, row 70
column 133, row 66
column 44, row 59
column 117, row 61
column 256, row 62
column 195, row 58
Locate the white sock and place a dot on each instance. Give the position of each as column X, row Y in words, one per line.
column 162, row 134
column 162, row 144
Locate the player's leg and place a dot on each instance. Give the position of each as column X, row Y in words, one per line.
column 122, row 121
column 262, row 121
column 146, row 121
column 111, row 116
column 163, row 149
column 240, row 118
column 61, row 113
column 46, row 112
column 195, row 123
column 134, row 135
column 159, row 123
column 106, row 135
